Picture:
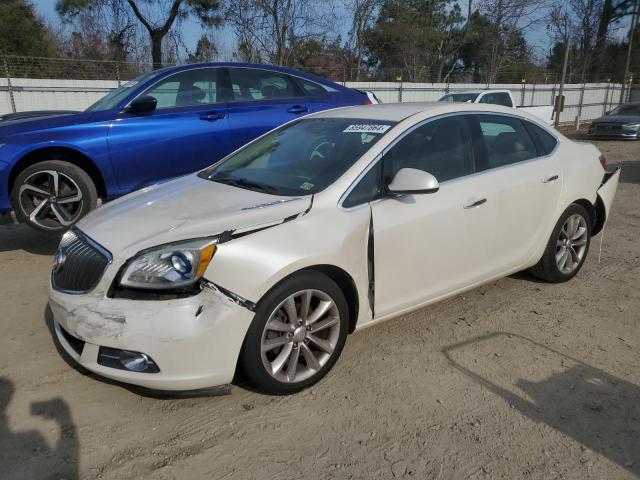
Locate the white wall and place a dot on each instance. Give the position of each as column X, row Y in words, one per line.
column 593, row 99
column 45, row 94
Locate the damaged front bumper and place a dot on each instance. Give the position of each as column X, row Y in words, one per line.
column 193, row 342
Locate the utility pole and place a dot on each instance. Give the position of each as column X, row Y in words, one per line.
column 559, row 103
column 625, row 80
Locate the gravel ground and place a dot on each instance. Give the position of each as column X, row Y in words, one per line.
column 516, row 379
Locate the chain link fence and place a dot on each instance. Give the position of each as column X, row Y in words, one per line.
column 31, row 83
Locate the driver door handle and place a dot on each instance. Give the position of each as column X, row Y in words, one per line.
column 212, row 116
column 298, row 109
column 475, row 203
column 550, row 179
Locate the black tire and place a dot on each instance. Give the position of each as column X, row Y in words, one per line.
column 251, row 360
column 26, row 202
column 547, row 268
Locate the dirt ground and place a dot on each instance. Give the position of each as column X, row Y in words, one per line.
column 515, row 380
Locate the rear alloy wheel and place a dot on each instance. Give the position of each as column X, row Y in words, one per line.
column 297, row 335
column 567, row 248
column 571, row 245
column 52, row 196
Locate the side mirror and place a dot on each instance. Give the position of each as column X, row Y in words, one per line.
column 143, row 104
column 412, row 180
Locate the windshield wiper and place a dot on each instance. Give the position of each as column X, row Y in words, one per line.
column 244, row 183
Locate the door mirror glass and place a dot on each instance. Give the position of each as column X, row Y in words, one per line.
column 414, row 181
column 143, row 104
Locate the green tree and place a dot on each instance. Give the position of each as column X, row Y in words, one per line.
column 22, row 32
column 206, row 51
column 153, row 16
column 419, row 38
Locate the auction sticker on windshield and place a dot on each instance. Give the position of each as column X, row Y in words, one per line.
column 364, row 128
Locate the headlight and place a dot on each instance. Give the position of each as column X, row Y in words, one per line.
column 169, row 266
column 632, row 126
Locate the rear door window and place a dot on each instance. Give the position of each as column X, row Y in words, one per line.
column 506, row 139
column 310, row 89
column 250, row 84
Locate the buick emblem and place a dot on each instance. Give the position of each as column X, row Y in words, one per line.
column 58, row 260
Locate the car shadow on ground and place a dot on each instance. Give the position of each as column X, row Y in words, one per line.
column 27, row 454
column 21, row 237
column 596, row 409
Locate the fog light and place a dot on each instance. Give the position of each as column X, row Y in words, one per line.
column 138, row 362
column 126, row 360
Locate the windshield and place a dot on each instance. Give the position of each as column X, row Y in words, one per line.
column 460, row 97
column 626, row 110
column 114, row 97
column 300, row 158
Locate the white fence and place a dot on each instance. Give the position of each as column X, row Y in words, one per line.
column 584, row 101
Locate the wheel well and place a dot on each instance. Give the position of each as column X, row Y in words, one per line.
column 348, row 287
column 60, row 153
column 593, row 216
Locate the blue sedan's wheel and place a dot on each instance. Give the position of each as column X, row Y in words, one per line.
column 51, row 196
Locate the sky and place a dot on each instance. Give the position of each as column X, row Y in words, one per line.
column 191, row 30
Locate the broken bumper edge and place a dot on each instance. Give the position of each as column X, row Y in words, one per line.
column 195, row 342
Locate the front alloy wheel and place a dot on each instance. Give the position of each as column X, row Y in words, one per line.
column 297, row 334
column 301, row 335
column 51, row 196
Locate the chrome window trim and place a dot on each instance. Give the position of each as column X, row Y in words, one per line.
column 431, row 119
column 324, row 87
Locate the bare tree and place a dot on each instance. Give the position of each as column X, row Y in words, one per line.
column 267, row 29
column 576, row 22
column 510, row 19
column 362, row 15
column 156, row 16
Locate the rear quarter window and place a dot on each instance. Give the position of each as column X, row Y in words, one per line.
column 547, row 141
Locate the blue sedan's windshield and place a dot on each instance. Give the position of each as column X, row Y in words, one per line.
column 300, row 158
column 114, row 97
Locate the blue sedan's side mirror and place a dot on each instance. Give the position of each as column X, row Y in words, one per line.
column 143, row 104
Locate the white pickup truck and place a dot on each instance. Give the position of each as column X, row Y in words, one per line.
column 499, row 97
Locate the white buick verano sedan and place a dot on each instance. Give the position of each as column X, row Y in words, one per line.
column 268, row 259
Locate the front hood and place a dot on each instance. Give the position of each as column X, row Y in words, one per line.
column 618, row 119
column 186, row 208
column 32, row 124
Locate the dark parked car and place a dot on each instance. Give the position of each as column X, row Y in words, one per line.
column 621, row 122
column 161, row 125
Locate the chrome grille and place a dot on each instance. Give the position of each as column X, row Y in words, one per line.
column 608, row 127
column 79, row 263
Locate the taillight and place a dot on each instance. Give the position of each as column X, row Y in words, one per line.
column 368, row 102
column 603, row 162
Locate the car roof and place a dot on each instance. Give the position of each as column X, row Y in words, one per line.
column 396, row 112
column 273, row 68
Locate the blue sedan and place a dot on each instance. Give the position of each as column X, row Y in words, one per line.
column 161, row 125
